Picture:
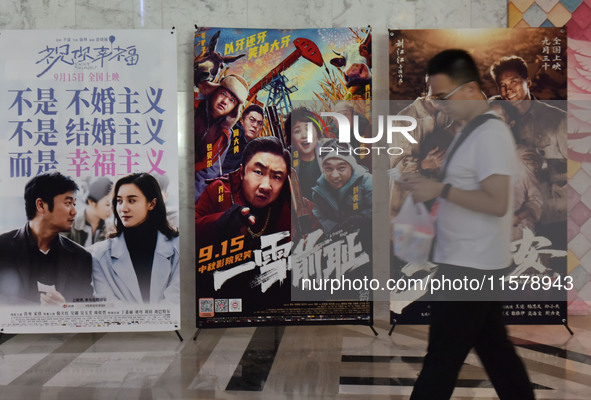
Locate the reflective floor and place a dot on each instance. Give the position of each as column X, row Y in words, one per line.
column 302, row 362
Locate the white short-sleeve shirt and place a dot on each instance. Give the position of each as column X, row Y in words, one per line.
column 469, row 238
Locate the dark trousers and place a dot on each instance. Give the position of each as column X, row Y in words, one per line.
column 458, row 326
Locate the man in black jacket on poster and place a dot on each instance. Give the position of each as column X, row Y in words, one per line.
column 248, row 128
column 38, row 266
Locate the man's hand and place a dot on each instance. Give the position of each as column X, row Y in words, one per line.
column 245, row 211
column 234, row 221
column 433, row 159
column 52, row 299
column 520, row 216
column 422, row 189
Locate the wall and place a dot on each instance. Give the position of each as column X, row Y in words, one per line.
column 183, row 15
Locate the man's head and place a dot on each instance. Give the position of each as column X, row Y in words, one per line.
column 222, row 102
column 453, row 75
column 99, row 197
column 336, row 162
column 510, row 74
column 265, row 168
column 252, row 121
column 296, row 128
column 226, row 97
column 51, row 197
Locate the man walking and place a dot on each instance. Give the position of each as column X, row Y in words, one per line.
column 472, row 237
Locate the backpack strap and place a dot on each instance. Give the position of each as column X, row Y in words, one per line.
column 468, row 129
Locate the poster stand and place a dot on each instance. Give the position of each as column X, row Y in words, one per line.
column 392, row 329
column 567, row 327
column 196, row 334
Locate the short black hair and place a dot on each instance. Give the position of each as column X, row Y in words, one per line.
column 457, row 64
column 253, row 108
column 46, row 187
column 512, row 63
column 266, row 144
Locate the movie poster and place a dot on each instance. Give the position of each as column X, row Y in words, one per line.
column 282, row 205
column 82, row 110
column 524, row 77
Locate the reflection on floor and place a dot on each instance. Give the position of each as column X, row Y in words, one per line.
column 301, row 362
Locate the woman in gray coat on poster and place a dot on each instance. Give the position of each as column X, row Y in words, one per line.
column 140, row 262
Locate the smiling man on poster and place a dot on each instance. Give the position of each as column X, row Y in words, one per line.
column 541, row 129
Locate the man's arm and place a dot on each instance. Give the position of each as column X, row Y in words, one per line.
column 492, row 199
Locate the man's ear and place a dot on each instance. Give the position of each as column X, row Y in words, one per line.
column 40, row 205
column 528, row 82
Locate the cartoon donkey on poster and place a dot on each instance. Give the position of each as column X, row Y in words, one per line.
column 208, row 65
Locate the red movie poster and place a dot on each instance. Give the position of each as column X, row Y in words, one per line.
column 280, row 208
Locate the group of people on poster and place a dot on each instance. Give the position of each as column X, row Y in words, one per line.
column 539, row 130
column 231, row 151
column 119, row 248
column 259, row 170
column 513, row 76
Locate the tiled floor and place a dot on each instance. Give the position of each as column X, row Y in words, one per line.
column 302, row 362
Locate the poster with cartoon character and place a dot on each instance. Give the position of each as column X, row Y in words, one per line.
column 282, row 206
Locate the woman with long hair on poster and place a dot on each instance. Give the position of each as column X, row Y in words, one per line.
column 139, row 263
